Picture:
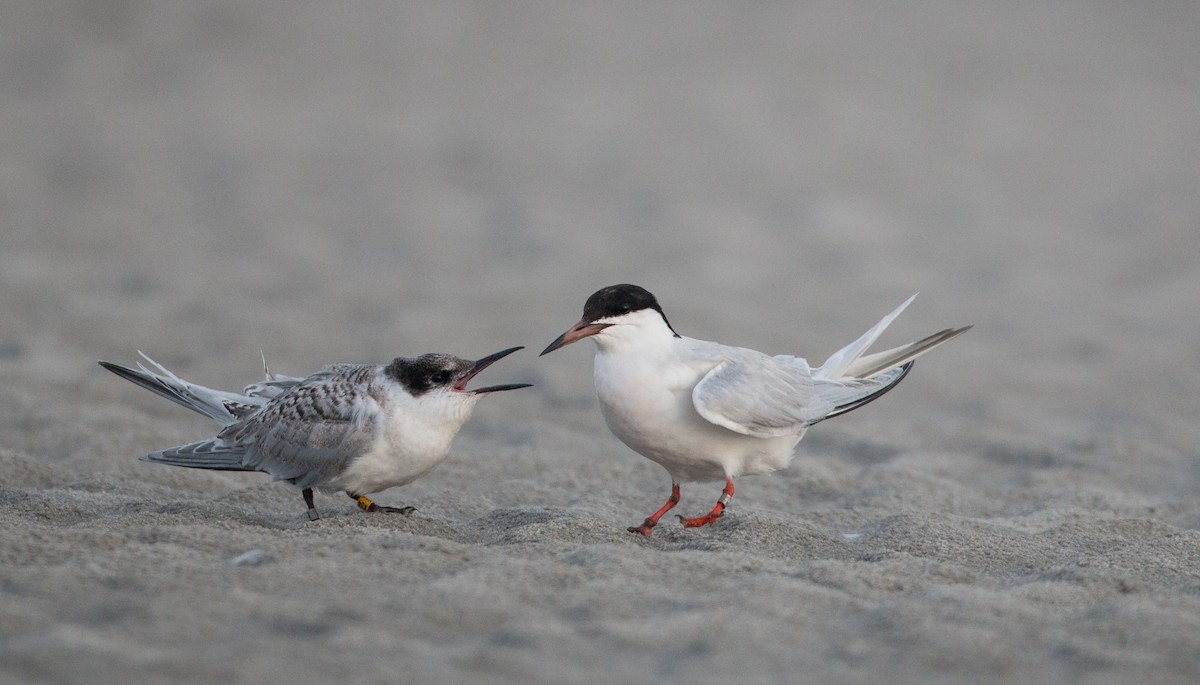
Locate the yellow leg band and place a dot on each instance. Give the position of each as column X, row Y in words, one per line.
column 364, row 503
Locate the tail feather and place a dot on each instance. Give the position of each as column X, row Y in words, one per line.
column 871, row 396
column 849, row 380
column 875, row 364
column 214, row 454
column 835, row 367
column 212, row 403
column 849, row 363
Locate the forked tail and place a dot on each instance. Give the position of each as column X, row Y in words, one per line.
column 850, row 380
column 222, row 407
column 218, row 405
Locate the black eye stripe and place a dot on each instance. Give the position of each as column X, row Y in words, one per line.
column 426, row 372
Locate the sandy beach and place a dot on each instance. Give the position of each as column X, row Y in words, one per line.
column 350, row 183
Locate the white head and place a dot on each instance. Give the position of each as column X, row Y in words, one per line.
column 618, row 316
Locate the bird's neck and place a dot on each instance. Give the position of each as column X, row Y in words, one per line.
column 645, row 335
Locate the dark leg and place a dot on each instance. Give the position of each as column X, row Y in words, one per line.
column 652, row 520
column 712, row 516
column 312, row 509
column 366, row 504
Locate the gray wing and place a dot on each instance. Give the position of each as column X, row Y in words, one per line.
column 760, row 396
column 772, row 396
column 276, row 384
column 309, row 433
column 272, row 387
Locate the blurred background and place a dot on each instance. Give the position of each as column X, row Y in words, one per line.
column 355, row 181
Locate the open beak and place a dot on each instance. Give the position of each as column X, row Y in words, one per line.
column 579, row 331
column 480, row 365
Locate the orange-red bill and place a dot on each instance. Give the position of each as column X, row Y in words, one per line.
column 579, row 331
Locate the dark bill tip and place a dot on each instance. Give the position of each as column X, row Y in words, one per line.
column 499, row 388
column 487, row 361
column 482, row 364
column 558, row 342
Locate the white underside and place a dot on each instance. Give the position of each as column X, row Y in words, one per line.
column 416, row 438
column 748, row 414
column 646, row 400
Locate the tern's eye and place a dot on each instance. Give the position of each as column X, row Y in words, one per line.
column 441, row 377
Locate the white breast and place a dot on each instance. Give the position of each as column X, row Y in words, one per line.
column 646, row 400
column 416, row 435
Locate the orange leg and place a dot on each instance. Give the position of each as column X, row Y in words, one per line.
column 652, row 520
column 712, row 516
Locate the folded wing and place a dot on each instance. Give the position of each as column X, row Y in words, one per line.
column 760, row 396
column 311, row 432
column 769, row 397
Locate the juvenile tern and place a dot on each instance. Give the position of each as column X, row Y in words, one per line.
column 706, row 411
column 353, row 428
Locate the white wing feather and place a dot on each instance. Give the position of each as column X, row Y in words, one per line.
column 837, row 365
column 766, row 397
column 762, row 397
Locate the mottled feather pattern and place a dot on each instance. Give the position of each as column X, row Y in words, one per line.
column 312, row 431
column 271, row 388
column 241, row 410
column 353, row 428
